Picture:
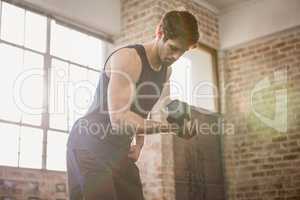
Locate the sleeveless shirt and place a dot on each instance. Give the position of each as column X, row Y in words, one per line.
column 148, row 89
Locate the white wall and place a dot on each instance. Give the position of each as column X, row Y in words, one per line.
column 100, row 15
column 257, row 18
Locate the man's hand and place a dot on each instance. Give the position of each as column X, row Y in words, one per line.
column 187, row 131
column 134, row 152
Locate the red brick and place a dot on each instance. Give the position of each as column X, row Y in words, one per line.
column 291, row 157
column 295, row 150
column 262, row 50
column 234, row 57
column 240, row 50
column 270, row 54
column 267, row 167
column 274, row 159
column 290, row 144
column 293, row 41
column 278, row 45
column 280, row 151
column 246, row 54
column 258, row 174
column 288, row 48
column 279, row 139
column 278, row 57
column 272, row 146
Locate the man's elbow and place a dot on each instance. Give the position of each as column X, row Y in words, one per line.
column 117, row 119
column 120, row 123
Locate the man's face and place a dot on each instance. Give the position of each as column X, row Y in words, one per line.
column 170, row 50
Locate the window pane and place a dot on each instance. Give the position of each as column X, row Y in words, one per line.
column 11, row 62
column 33, row 66
column 18, row 80
column 79, row 51
column 80, row 91
column 97, row 53
column 202, row 79
column 192, row 79
column 71, row 93
column 93, row 78
column 12, row 23
column 77, row 47
column 60, row 41
column 9, row 144
column 35, row 31
column 180, row 80
column 31, row 142
column 56, row 150
column 58, row 107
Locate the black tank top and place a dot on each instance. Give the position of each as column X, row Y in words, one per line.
column 148, row 89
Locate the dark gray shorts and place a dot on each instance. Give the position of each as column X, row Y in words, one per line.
column 95, row 179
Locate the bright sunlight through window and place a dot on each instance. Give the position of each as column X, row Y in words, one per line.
column 66, row 63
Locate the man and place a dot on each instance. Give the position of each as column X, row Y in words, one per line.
column 100, row 160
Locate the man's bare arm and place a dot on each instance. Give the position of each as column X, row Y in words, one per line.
column 125, row 69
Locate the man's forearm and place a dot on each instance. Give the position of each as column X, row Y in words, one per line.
column 140, row 125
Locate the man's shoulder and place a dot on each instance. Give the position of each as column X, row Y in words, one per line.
column 126, row 55
column 126, row 60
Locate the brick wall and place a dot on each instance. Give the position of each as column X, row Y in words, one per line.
column 32, row 184
column 262, row 159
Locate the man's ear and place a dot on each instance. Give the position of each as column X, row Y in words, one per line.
column 159, row 32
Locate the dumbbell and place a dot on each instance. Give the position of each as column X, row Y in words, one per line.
column 179, row 113
column 178, row 118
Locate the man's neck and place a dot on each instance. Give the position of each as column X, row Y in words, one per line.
column 152, row 54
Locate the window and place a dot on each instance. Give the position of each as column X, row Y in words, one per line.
column 67, row 70
column 85, row 50
column 12, row 32
column 23, row 27
column 35, row 31
column 72, row 90
column 11, row 65
column 56, row 150
column 58, row 95
column 31, row 140
column 180, row 80
column 9, row 145
column 193, row 79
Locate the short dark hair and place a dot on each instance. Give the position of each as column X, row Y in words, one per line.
column 180, row 25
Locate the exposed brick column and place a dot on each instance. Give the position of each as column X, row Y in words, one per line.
column 139, row 21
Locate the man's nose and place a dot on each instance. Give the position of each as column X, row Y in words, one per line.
column 177, row 56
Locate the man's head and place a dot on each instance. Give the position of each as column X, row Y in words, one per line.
column 176, row 33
